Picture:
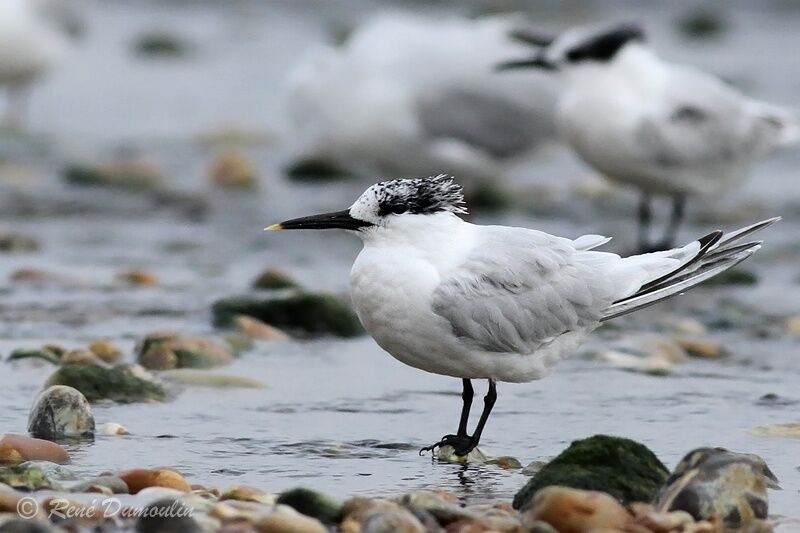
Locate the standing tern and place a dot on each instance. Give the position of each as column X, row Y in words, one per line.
column 495, row 302
column 664, row 128
column 406, row 93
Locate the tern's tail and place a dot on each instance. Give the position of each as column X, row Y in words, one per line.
column 718, row 252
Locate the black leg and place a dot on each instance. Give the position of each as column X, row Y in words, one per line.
column 675, row 220
column 466, row 396
column 488, row 404
column 645, row 219
column 463, row 443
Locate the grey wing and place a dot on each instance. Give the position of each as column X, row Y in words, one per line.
column 519, row 291
column 703, row 122
column 499, row 127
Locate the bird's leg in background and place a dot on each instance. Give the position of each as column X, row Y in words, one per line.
column 645, row 218
column 17, row 105
column 466, row 396
column 675, row 220
column 488, row 403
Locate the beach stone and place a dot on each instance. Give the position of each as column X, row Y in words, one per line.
column 21, row 525
column 42, row 354
column 80, row 355
column 397, row 520
column 18, row 243
column 256, row 329
column 647, row 354
column 114, row 484
column 313, row 314
column 273, row 279
column 167, row 515
column 499, row 516
column 202, row 378
column 129, row 175
column 137, row 278
column 38, row 277
column 168, row 350
column 112, row 429
column 533, row 468
column 506, row 462
column 120, row 383
column 20, row 448
column 448, row 454
column 576, row 511
column 793, row 325
column 358, row 507
column 715, row 482
column 30, row 476
column 106, row 351
column 61, row 412
column 442, row 508
column 627, row 470
column 316, row 169
column 232, row 170
column 139, row 479
column 285, row 519
column 777, row 430
column 702, row 348
column 312, row 503
column 247, row 494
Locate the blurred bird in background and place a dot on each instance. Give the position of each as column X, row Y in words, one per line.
column 406, row 94
column 35, row 37
column 664, row 128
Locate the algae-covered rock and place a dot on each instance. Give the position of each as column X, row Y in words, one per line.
column 61, row 412
column 309, row 313
column 168, row 350
column 314, row 169
column 32, row 476
column 627, row 470
column 132, row 175
column 274, row 279
column 312, row 503
column 42, row 354
column 121, row 383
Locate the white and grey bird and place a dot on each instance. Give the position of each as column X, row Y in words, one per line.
column 494, row 302
column 663, row 128
column 406, row 93
column 34, row 38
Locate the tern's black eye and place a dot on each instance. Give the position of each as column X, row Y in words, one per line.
column 398, row 209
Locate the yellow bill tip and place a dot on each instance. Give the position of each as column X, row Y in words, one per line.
column 274, row 227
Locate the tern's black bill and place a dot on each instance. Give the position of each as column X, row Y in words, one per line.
column 335, row 220
column 536, row 62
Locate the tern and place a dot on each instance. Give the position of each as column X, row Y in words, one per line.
column 493, row 302
column 664, row 128
column 407, row 93
column 34, row 38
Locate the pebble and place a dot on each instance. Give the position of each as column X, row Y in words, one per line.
column 312, row 503
column 715, row 482
column 137, row 277
column 448, row 454
column 777, row 430
column 576, row 511
column 31, row 475
column 106, row 351
column 274, row 279
column 80, row 356
column 257, row 329
column 168, row 350
column 61, row 412
column 202, row 378
column 167, row 515
column 437, row 504
column 247, row 494
column 124, row 174
column 113, row 484
column 232, row 170
column 284, row 519
column 793, row 325
column 648, row 354
column 392, row 521
column 19, row 448
column 112, row 429
column 39, row 277
column 139, row 479
column 702, row 348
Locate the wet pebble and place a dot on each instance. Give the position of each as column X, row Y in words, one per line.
column 648, row 354
column 137, row 278
column 113, row 484
column 169, row 350
column 285, row 519
column 121, row 383
column 247, row 494
column 312, row 503
column 140, row 479
column 257, row 329
column 167, row 515
column 80, row 356
column 777, row 430
column 112, row 429
column 715, row 482
column 396, row 520
column 202, row 378
column 576, row 511
column 702, row 348
column 232, row 170
column 106, row 351
column 61, row 412
column 19, row 448
column 31, row 476
column 273, row 279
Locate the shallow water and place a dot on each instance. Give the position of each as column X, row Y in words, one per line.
column 342, row 416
